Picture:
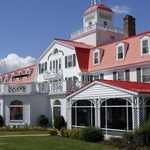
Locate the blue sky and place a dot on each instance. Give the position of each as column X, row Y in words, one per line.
column 28, row 26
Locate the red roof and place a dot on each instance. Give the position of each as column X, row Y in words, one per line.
column 101, row 7
column 75, row 44
column 138, row 87
column 132, row 56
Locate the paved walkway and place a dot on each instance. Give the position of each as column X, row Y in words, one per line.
column 1, row 136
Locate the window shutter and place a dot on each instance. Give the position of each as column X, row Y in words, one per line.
column 102, row 76
column 39, row 68
column 127, row 75
column 115, row 75
column 45, row 65
column 91, row 78
column 74, row 60
column 65, row 61
column 74, row 78
column 138, row 70
column 82, row 77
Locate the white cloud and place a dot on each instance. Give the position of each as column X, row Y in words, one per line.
column 14, row 62
column 121, row 9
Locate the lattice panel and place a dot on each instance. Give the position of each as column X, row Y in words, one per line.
column 57, row 87
column 135, row 117
column 40, row 88
column 77, row 85
column 17, row 88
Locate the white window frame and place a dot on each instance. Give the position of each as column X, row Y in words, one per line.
column 69, row 61
column 120, row 78
column 7, row 78
column 124, row 46
column 12, row 79
column 96, row 51
column 142, row 74
column 145, row 38
column 28, row 71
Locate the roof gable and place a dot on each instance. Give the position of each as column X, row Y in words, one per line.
column 110, row 89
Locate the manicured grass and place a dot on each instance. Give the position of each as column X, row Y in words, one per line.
column 48, row 143
column 22, row 132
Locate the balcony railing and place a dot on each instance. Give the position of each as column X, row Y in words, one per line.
column 41, row 88
column 52, row 74
column 66, row 86
column 22, row 88
column 94, row 27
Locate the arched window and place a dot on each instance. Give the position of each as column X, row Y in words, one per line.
column 56, row 108
column 16, row 110
column 148, row 110
column 83, row 114
column 116, row 114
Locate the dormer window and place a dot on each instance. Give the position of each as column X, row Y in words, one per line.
column 145, row 45
column 121, row 50
column 12, row 77
column 97, row 56
column 28, row 72
column 6, row 78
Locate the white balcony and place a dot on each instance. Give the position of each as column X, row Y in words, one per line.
column 24, row 88
column 53, row 74
column 96, row 27
column 66, row 86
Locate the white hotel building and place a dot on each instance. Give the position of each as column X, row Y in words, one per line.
column 100, row 77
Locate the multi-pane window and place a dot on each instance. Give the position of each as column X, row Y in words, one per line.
column 120, row 52
column 70, row 61
column 55, row 51
column 16, row 110
column 42, row 67
column 56, row 108
column 145, row 48
column 96, row 57
column 146, row 75
column 121, row 75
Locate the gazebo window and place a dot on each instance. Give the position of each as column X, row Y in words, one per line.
column 116, row 114
column 16, row 110
column 83, row 114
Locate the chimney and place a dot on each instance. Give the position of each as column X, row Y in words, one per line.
column 129, row 26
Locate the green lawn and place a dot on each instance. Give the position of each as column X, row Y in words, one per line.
column 48, row 143
column 22, row 132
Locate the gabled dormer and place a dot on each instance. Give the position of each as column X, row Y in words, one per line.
column 145, row 45
column 97, row 56
column 121, row 50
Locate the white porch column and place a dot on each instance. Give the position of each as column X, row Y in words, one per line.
column 135, row 112
column 69, row 116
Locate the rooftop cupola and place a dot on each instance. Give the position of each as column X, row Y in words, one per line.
column 96, row 2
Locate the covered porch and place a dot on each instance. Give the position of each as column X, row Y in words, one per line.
column 114, row 106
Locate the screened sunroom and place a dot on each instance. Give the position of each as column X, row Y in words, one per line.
column 113, row 106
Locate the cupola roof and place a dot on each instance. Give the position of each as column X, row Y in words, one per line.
column 101, row 7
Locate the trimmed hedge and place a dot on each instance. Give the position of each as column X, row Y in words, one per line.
column 59, row 122
column 91, row 134
column 42, row 121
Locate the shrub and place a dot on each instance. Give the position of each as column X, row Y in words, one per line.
column 92, row 134
column 42, row 121
column 59, row 122
column 1, row 121
column 53, row 131
column 140, row 136
column 76, row 134
column 65, row 132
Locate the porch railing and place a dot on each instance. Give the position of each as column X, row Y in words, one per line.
column 66, row 86
column 34, row 87
column 94, row 27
